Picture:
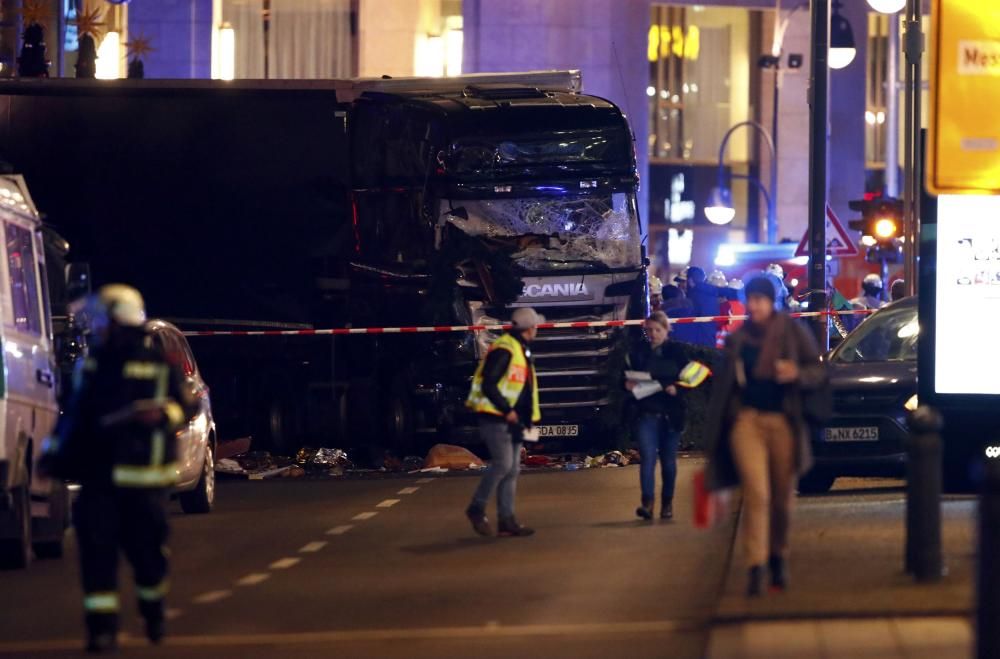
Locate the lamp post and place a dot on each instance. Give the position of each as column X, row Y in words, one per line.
column 819, row 111
column 720, row 204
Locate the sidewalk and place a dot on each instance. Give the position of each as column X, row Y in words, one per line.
column 848, row 595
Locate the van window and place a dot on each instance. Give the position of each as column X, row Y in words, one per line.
column 23, row 279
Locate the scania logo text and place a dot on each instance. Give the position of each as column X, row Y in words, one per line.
column 556, row 290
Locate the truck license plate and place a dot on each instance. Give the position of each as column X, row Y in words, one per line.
column 865, row 434
column 558, row 431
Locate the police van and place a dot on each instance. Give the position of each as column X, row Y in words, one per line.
column 34, row 512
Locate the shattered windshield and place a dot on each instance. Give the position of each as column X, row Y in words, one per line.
column 552, row 233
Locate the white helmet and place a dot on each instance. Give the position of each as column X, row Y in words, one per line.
column 736, row 284
column 776, row 270
column 655, row 285
column 124, row 304
column 717, row 278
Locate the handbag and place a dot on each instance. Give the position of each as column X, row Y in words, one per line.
column 710, row 507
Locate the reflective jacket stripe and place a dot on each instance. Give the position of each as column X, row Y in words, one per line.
column 140, row 476
column 153, row 593
column 106, row 602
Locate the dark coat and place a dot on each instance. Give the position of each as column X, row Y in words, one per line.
column 797, row 344
column 665, row 366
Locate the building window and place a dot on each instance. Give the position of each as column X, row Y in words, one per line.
column 877, row 90
column 699, row 83
column 283, row 39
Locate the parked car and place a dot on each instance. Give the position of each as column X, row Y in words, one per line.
column 873, row 374
column 197, row 443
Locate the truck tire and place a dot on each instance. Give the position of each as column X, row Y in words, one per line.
column 201, row 499
column 400, row 417
column 15, row 551
column 47, row 539
column 816, row 482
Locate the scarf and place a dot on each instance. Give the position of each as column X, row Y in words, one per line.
column 770, row 338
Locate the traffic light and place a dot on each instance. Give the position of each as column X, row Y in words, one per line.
column 881, row 222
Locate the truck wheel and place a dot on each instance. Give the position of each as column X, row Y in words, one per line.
column 15, row 551
column 816, row 482
column 53, row 528
column 201, row 499
column 400, row 417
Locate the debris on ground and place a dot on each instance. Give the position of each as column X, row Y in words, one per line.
column 229, row 466
column 449, row 456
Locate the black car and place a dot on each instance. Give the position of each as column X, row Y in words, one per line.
column 873, row 375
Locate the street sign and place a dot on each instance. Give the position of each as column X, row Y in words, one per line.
column 964, row 136
column 838, row 241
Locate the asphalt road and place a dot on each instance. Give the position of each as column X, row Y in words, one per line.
column 390, row 568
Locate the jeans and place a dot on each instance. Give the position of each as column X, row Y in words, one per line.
column 656, row 438
column 505, row 465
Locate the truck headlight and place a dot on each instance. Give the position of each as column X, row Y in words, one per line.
column 912, row 403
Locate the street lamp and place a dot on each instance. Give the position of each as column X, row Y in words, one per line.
column 887, row 6
column 719, row 209
column 842, row 47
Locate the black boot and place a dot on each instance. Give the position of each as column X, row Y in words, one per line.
column 102, row 633
column 667, row 509
column 480, row 524
column 779, row 582
column 508, row 527
column 756, row 576
column 152, row 612
column 645, row 511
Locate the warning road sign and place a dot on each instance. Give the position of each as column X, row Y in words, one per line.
column 838, row 241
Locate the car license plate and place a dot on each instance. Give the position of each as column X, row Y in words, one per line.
column 558, row 431
column 865, row 434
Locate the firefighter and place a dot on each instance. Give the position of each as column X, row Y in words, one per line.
column 504, row 397
column 871, row 293
column 117, row 438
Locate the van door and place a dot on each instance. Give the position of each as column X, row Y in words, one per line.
column 31, row 393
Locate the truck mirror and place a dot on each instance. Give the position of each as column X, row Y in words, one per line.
column 77, row 281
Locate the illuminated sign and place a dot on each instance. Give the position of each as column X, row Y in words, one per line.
column 967, row 311
column 964, row 136
column 667, row 40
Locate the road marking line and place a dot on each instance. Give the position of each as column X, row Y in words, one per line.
column 284, row 563
column 312, row 547
column 173, row 614
column 424, row 481
column 340, row 530
column 388, row 503
column 613, row 629
column 212, row 596
column 253, row 579
column 408, row 490
column 363, row 516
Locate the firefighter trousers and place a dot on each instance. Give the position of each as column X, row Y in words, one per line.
column 132, row 520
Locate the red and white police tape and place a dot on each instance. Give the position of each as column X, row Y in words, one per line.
column 477, row 328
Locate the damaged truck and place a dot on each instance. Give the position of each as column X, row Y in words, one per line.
column 369, row 203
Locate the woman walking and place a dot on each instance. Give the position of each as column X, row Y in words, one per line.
column 758, row 433
column 660, row 414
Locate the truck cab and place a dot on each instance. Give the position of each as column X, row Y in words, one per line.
column 33, row 510
column 471, row 202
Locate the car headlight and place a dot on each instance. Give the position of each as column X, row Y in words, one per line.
column 912, row 404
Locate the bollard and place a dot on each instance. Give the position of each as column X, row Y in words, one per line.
column 923, row 495
column 988, row 581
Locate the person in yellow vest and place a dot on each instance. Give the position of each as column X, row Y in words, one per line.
column 504, row 396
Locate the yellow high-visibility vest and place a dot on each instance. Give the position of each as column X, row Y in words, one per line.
column 511, row 384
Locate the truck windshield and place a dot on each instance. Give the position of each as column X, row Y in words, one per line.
column 557, row 233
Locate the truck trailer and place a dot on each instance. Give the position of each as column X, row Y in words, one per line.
column 365, row 203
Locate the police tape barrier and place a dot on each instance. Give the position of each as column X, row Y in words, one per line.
column 480, row 328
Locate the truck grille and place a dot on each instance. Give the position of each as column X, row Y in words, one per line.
column 572, row 364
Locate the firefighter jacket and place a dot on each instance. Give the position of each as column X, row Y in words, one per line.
column 111, row 433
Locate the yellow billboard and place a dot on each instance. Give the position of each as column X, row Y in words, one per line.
column 963, row 148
